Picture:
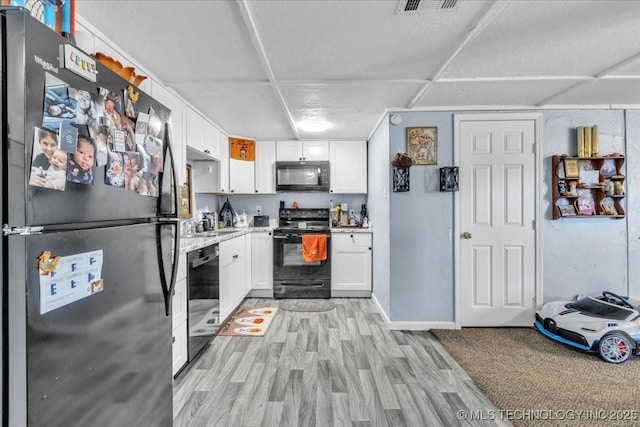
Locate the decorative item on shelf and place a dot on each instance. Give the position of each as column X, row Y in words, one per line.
column 127, row 73
column 562, row 187
column 588, row 141
column 617, row 188
column 585, row 205
column 401, row 163
column 567, row 210
column 422, row 145
column 571, row 168
column 608, row 207
column 449, row 179
column 572, row 189
column 608, row 187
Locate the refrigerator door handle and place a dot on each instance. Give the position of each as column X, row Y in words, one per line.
column 168, row 288
column 168, row 195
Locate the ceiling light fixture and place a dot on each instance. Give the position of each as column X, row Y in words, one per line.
column 313, row 126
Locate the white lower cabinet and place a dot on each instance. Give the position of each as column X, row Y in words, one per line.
column 262, row 264
column 233, row 274
column 351, row 264
column 179, row 315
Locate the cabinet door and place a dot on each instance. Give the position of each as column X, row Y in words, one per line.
column 315, row 150
column 179, row 347
column 289, row 151
column 265, row 181
column 241, row 176
column 348, row 166
column 224, row 164
column 195, row 127
column 232, row 274
column 351, row 262
column 179, row 322
column 262, row 260
column 211, row 139
column 178, row 130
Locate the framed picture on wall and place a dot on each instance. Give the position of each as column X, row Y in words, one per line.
column 422, row 145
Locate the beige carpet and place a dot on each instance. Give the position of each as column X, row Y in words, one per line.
column 545, row 383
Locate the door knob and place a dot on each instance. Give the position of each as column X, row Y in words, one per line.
column 466, row 235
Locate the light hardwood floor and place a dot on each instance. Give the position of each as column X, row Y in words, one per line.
column 342, row 367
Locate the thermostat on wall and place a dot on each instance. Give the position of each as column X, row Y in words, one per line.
column 395, row 119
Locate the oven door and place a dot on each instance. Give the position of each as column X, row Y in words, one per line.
column 287, row 258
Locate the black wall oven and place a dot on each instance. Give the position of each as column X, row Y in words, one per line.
column 203, row 285
column 294, row 277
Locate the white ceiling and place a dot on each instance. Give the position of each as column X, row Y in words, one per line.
column 258, row 67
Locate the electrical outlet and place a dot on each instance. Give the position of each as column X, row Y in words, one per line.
column 258, row 209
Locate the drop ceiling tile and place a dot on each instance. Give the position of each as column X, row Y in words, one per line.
column 353, row 109
column 243, row 109
column 179, row 41
column 316, row 40
column 492, row 93
column 552, row 38
column 617, row 91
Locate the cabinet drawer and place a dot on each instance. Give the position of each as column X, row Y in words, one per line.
column 230, row 248
column 347, row 239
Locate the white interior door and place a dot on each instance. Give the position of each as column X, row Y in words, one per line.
column 496, row 218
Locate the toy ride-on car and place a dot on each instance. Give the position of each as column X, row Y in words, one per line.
column 608, row 324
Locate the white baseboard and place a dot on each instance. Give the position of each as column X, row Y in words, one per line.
column 411, row 326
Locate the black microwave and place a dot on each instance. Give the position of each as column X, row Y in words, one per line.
column 302, row 176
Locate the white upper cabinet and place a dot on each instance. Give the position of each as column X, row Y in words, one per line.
column 241, row 176
column 178, row 130
column 195, row 128
column 348, row 166
column 211, row 137
column 223, row 185
column 302, row 150
column 265, row 167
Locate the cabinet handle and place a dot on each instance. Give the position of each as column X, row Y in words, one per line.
column 256, row 191
column 352, row 236
column 233, row 191
column 369, row 248
column 173, row 340
column 235, row 256
column 269, row 234
column 207, row 151
column 331, row 191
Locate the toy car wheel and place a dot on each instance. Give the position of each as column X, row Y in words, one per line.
column 615, row 348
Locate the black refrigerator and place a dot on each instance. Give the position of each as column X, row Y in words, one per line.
column 88, row 270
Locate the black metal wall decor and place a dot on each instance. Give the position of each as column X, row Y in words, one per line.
column 449, row 179
column 400, row 179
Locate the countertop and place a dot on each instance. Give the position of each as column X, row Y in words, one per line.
column 188, row 244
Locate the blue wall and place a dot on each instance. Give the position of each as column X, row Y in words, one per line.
column 585, row 255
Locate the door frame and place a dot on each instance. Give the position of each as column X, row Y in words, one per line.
column 458, row 119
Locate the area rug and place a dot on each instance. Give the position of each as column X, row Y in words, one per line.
column 248, row 321
column 539, row 382
column 307, row 305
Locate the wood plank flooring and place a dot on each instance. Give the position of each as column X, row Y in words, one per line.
column 337, row 368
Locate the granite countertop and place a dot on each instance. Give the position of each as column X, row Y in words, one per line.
column 188, row 244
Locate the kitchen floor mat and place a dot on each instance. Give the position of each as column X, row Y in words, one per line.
column 248, row 321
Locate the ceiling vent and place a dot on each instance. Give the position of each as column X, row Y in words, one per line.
column 415, row 7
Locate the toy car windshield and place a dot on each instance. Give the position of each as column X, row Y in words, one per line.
column 596, row 308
